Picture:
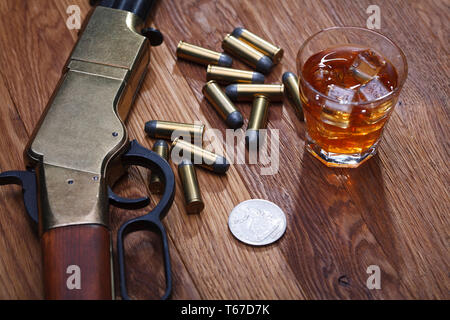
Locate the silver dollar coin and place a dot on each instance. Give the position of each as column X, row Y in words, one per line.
column 257, row 222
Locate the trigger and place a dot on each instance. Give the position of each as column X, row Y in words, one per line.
column 26, row 179
column 125, row 203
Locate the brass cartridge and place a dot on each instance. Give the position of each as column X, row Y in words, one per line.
column 248, row 54
column 247, row 92
column 202, row 55
column 290, row 82
column 162, row 149
column 229, row 75
column 206, row 159
column 226, row 109
column 272, row 51
column 192, row 196
column 258, row 119
column 159, row 129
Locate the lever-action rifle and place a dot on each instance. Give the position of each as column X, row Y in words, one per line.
column 80, row 147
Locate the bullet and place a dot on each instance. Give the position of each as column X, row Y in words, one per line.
column 290, row 82
column 223, row 105
column 270, row 50
column 258, row 120
column 192, row 196
column 229, row 75
column 162, row 149
column 208, row 160
column 159, row 129
column 202, row 55
column 248, row 54
column 247, row 92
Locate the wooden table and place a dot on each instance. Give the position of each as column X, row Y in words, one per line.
column 391, row 212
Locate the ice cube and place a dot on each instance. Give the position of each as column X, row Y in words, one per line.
column 374, row 89
column 321, row 74
column 342, row 94
column 320, row 77
column 338, row 113
column 365, row 69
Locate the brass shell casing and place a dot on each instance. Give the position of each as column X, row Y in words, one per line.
column 222, row 104
column 270, row 50
column 192, row 196
column 258, row 119
column 202, row 55
column 159, row 129
column 248, row 54
column 162, row 149
column 290, row 82
column 247, row 92
column 258, row 115
column 200, row 156
column 229, row 75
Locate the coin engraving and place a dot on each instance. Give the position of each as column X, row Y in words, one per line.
column 257, row 222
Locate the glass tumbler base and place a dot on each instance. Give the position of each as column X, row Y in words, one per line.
column 340, row 160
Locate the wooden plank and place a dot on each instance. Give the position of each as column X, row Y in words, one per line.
column 20, row 267
column 318, row 284
column 30, row 75
column 200, row 33
column 391, row 212
column 208, row 249
column 415, row 189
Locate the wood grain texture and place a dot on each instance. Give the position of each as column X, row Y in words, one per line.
column 77, row 263
column 392, row 211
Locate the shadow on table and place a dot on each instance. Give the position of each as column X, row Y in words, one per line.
column 342, row 225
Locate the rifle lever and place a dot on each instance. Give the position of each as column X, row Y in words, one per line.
column 138, row 155
column 26, row 179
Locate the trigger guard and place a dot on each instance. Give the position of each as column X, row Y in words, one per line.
column 138, row 155
column 126, row 203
